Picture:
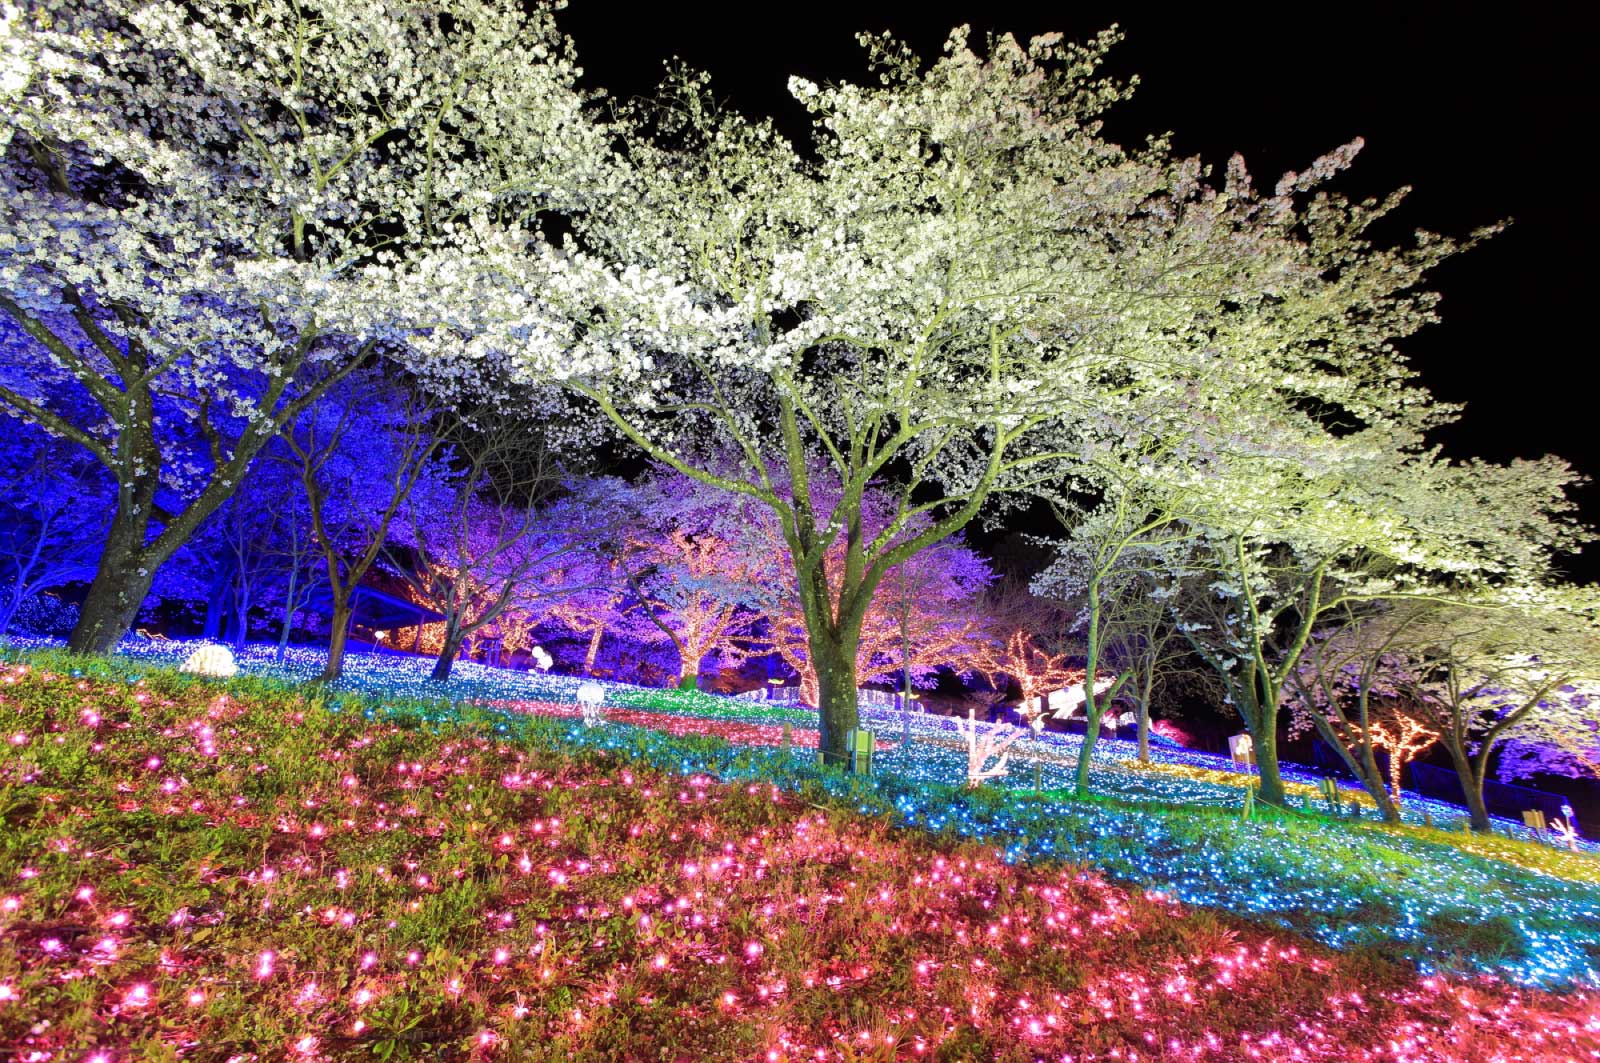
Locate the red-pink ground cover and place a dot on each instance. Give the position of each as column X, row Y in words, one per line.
column 190, row 875
column 736, row 731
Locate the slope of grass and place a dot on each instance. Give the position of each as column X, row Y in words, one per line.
column 192, row 870
column 1447, row 901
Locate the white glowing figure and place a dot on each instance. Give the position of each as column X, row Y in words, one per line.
column 541, row 660
column 590, row 696
column 212, row 660
column 1565, row 829
column 993, row 744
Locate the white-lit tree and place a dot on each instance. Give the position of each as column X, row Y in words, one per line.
column 1520, row 680
column 1137, row 523
column 963, row 287
column 1349, row 680
column 1364, row 518
column 214, row 212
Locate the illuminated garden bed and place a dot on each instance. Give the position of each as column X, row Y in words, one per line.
column 1212, row 781
column 1444, row 900
column 234, row 872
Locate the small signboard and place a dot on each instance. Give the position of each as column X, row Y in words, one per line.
column 1242, row 750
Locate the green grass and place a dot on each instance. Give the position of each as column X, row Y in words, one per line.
column 1445, row 900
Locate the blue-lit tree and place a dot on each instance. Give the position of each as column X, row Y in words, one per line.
column 52, row 515
column 371, row 450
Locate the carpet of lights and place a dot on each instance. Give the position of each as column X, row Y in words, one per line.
column 204, row 874
column 1392, row 890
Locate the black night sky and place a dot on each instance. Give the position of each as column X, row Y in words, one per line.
column 1483, row 111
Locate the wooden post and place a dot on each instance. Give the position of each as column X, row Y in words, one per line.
column 860, row 744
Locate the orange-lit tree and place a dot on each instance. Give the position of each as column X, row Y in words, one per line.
column 1401, row 736
column 700, row 591
column 1021, row 660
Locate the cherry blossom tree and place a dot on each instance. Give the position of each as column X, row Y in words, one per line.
column 958, row 281
column 1140, row 640
column 703, row 595
column 1521, row 679
column 215, row 213
column 1367, row 517
column 926, row 613
column 694, row 569
column 1349, row 680
column 1139, row 517
column 931, row 598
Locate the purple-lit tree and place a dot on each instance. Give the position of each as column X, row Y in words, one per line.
column 262, row 533
column 507, row 531
column 695, row 571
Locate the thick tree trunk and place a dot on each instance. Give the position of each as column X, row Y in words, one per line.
column 837, row 710
column 1260, row 716
column 445, row 661
column 338, row 637
column 1265, row 744
column 594, row 650
column 109, row 611
column 689, row 657
column 1472, row 787
column 447, row 652
column 120, row 585
column 130, row 558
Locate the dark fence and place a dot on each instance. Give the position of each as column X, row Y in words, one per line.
column 1502, row 799
column 1429, row 780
